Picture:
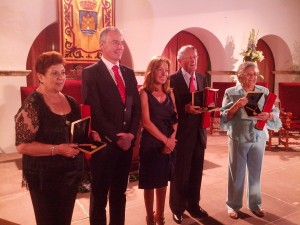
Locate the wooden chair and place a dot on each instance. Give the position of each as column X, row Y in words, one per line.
column 215, row 119
column 289, row 98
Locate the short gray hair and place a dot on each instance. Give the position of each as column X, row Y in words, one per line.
column 106, row 30
column 245, row 65
column 183, row 49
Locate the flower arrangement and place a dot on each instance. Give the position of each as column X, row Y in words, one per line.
column 250, row 54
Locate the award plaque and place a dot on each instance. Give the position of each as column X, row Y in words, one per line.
column 80, row 135
column 197, row 98
column 205, row 99
column 251, row 108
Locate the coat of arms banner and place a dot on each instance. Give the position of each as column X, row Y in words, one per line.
column 80, row 23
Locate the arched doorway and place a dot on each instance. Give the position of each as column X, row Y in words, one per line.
column 47, row 40
column 185, row 38
column 267, row 65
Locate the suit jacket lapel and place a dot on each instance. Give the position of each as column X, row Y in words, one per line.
column 199, row 82
column 182, row 81
column 103, row 71
column 125, row 78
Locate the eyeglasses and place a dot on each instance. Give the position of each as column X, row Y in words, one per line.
column 251, row 74
column 55, row 73
column 117, row 43
column 190, row 58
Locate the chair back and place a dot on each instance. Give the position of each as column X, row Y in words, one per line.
column 71, row 87
column 26, row 91
column 289, row 96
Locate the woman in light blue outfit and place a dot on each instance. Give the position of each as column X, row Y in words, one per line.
column 246, row 144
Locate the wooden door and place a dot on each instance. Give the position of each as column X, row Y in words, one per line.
column 185, row 38
column 267, row 65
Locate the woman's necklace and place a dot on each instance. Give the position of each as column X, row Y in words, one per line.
column 67, row 122
column 159, row 94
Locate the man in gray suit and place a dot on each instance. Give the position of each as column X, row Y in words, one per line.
column 189, row 152
column 115, row 111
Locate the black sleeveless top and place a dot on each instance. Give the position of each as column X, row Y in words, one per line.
column 154, row 168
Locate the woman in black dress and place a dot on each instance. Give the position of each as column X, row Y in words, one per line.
column 159, row 120
column 52, row 167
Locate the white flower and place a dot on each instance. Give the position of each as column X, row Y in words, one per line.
column 250, row 54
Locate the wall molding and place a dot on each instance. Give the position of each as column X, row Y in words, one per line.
column 225, row 72
column 291, row 72
column 139, row 73
column 14, row 73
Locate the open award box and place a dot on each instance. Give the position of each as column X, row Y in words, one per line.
column 206, row 99
column 251, row 108
column 80, row 135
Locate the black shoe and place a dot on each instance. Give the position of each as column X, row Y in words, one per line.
column 177, row 217
column 197, row 212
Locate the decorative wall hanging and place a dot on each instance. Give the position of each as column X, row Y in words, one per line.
column 80, row 23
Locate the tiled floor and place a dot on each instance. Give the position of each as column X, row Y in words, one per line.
column 280, row 187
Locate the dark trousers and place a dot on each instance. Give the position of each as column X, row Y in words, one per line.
column 187, row 174
column 109, row 169
column 54, row 206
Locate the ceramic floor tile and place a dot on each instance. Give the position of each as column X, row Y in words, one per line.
column 16, row 208
column 280, row 192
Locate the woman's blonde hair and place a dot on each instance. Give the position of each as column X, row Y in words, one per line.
column 155, row 63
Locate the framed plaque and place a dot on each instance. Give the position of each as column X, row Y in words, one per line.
column 80, row 135
column 251, row 108
column 197, row 98
column 205, row 99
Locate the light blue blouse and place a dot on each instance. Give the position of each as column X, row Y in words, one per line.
column 241, row 127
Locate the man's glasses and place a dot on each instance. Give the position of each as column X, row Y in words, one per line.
column 190, row 58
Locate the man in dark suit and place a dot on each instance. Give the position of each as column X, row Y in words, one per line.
column 189, row 152
column 115, row 115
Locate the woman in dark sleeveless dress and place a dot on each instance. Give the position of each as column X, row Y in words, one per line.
column 52, row 167
column 159, row 120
